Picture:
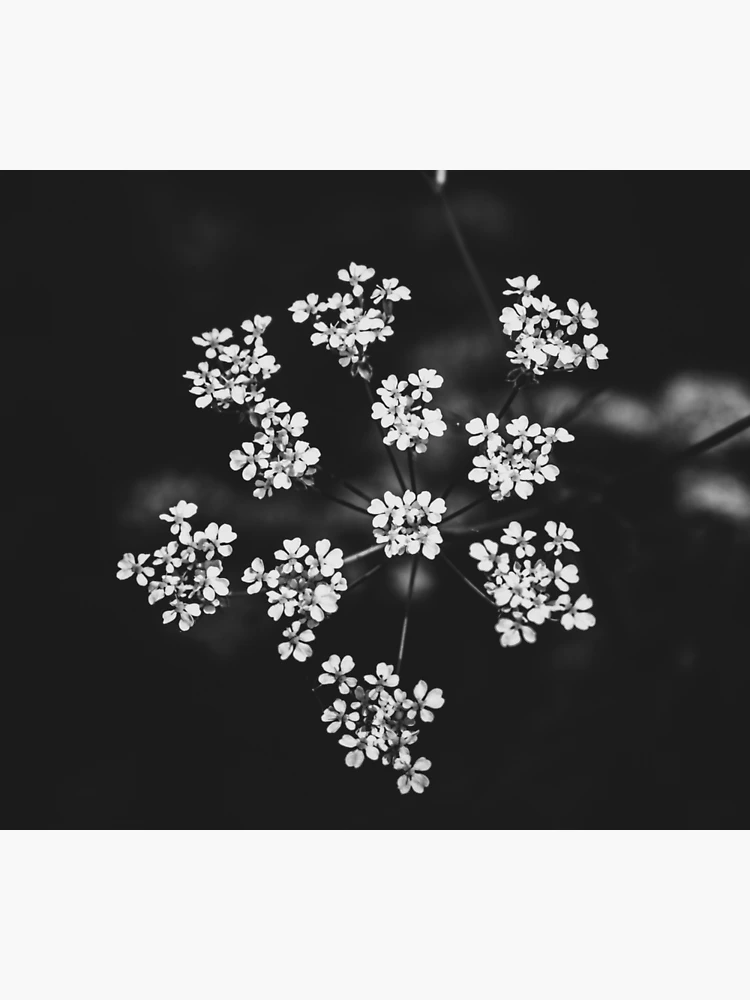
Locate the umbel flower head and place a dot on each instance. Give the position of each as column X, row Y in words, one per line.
column 354, row 327
column 408, row 524
column 191, row 568
column 303, row 586
column 543, row 334
column 515, row 462
column 381, row 718
column 401, row 411
column 530, row 593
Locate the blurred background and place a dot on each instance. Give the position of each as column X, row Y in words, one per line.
column 120, row 721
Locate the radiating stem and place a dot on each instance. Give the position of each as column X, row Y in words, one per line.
column 389, row 453
column 468, row 506
column 467, row 581
column 489, row 307
column 343, row 503
column 365, row 576
column 404, row 627
column 412, row 473
column 362, row 554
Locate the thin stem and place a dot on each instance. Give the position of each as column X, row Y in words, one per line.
column 369, row 573
column 404, row 627
column 467, row 581
column 355, row 490
column 389, row 453
column 471, row 267
column 343, row 503
column 659, row 467
column 362, row 554
column 412, row 473
column 468, row 506
column 509, row 401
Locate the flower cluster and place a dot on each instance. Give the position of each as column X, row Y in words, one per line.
column 408, row 524
column 543, row 333
column 402, row 413
column 277, row 456
column 302, row 586
column 357, row 327
column 190, row 567
column 235, row 374
column 381, row 719
column 517, row 463
column 527, row 593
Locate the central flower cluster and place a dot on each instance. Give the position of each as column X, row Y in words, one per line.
column 521, row 589
column 408, row 422
column 515, row 464
column 301, row 586
column 381, row 719
column 408, row 524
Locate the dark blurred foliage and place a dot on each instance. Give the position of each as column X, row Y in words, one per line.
column 116, row 720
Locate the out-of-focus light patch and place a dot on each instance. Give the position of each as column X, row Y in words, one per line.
column 425, row 583
column 613, row 411
column 554, row 401
column 694, row 405
column 714, row 491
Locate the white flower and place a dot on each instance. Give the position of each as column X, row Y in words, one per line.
column 578, row 616
column 593, row 351
column 129, row 565
column 218, row 536
column 583, row 315
column 187, row 614
column 298, row 639
column 391, row 291
column 361, row 748
column 212, row 340
column 178, row 515
column 412, row 779
column 337, row 715
column 385, row 676
column 335, row 670
column 426, row 700
column 215, row 585
column 522, row 286
column 254, row 575
column 356, row 274
column 423, row 381
column 561, row 536
column 512, row 630
column 302, row 308
column 515, row 535
column 480, row 431
column 565, row 575
column 244, row 459
column 328, row 560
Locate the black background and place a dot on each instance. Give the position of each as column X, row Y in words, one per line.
column 117, row 721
